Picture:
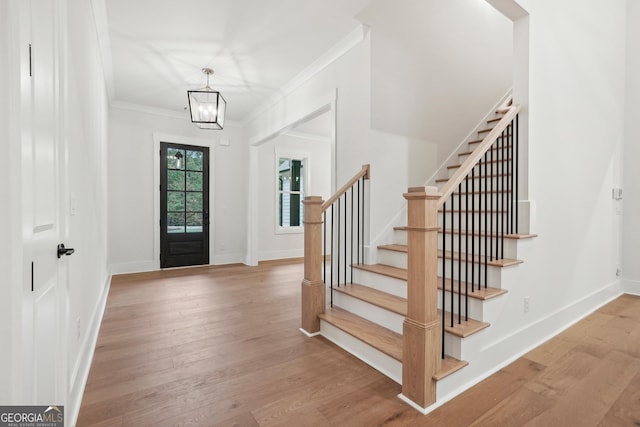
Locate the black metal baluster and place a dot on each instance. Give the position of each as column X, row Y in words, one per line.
column 466, row 249
column 451, row 263
column 324, row 247
column 487, row 231
column 492, row 198
column 459, row 253
column 346, row 207
column 338, row 242
column 358, row 231
column 510, row 171
column 363, row 217
column 351, row 233
column 517, row 166
column 505, row 209
column 473, row 228
column 482, row 194
column 332, row 258
column 444, row 269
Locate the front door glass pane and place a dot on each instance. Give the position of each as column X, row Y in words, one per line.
column 194, row 181
column 175, row 222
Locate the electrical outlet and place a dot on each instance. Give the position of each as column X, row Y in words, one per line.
column 618, row 272
column 527, row 304
column 78, row 328
column 222, row 247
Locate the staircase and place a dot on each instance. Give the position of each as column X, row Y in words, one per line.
column 477, row 235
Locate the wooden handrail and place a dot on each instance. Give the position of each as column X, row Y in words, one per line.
column 364, row 172
column 476, row 156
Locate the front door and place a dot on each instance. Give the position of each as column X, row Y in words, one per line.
column 184, row 205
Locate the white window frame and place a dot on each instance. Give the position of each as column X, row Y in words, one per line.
column 305, row 157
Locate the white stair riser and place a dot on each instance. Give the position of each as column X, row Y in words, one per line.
column 491, row 179
column 400, row 237
column 486, row 168
column 498, row 154
column 373, row 313
column 462, row 243
column 494, row 274
column 389, row 366
column 476, row 306
column 493, row 221
column 463, row 348
column 392, row 258
column 380, row 282
column 477, row 202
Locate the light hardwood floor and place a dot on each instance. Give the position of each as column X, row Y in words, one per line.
column 221, row 347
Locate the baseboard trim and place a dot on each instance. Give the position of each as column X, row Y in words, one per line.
column 228, row 259
column 134, row 267
column 315, row 334
column 631, row 287
column 521, row 340
column 80, row 373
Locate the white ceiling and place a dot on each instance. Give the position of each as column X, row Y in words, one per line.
column 154, row 50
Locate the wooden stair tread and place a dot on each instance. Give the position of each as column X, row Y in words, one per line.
column 497, row 119
column 381, row 299
column 476, row 177
column 385, row 270
column 394, row 247
column 504, row 262
column 449, row 365
column 487, row 130
column 464, row 328
column 514, row 236
column 383, row 339
column 475, row 211
column 481, row 293
column 508, row 159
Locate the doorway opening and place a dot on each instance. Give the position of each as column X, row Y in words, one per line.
column 184, row 205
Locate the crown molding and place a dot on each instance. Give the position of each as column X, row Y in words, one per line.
column 139, row 108
column 355, row 37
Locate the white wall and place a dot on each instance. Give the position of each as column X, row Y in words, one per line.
column 349, row 76
column 631, row 183
column 87, row 174
column 271, row 244
column 576, row 80
column 437, row 67
column 131, row 188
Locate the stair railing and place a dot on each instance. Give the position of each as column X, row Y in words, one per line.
column 479, row 217
column 471, row 239
column 334, row 239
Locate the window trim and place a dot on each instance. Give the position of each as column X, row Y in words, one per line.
column 306, row 161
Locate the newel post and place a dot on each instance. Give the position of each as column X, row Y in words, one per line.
column 422, row 337
column 313, row 292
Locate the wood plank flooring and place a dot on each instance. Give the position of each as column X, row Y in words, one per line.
column 221, row 347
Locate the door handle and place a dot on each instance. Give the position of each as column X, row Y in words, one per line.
column 64, row 251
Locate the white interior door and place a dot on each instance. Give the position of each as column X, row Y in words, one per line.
column 44, row 162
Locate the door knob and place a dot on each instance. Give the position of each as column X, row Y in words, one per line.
column 64, row 251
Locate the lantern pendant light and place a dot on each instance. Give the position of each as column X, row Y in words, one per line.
column 207, row 106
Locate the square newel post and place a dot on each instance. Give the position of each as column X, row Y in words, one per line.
column 422, row 340
column 313, row 292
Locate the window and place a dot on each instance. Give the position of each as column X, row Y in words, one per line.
column 291, row 188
